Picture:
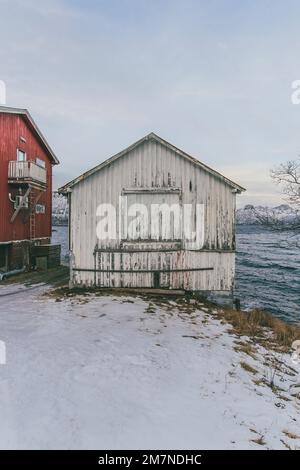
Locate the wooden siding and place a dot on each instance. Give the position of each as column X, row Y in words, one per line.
column 12, row 127
column 153, row 166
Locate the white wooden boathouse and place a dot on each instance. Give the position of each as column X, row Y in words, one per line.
column 152, row 216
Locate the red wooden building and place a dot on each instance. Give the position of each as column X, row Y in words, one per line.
column 26, row 161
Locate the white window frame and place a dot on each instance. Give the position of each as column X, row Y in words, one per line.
column 20, row 151
column 40, row 162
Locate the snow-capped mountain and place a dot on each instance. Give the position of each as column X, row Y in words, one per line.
column 255, row 214
column 60, row 209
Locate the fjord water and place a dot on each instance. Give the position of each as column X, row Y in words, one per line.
column 267, row 269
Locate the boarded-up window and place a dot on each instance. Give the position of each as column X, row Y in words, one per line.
column 152, row 216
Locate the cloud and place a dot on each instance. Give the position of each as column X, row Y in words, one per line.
column 46, row 8
column 213, row 78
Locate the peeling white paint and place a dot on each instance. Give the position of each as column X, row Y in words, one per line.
column 154, row 173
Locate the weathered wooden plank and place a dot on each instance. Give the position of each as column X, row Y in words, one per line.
column 154, row 171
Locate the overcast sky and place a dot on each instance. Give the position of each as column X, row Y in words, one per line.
column 212, row 77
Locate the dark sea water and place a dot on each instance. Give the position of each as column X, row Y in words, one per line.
column 267, row 269
column 60, row 237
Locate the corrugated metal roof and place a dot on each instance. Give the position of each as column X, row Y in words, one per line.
column 27, row 115
column 152, row 136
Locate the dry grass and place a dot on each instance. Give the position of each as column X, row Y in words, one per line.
column 259, row 382
column 256, row 323
column 248, row 368
column 245, row 347
column 284, row 398
column 260, row 441
column 286, row 444
column 291, row 435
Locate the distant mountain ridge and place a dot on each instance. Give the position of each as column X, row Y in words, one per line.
column 252, row 215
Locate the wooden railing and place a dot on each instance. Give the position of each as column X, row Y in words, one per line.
column 26, row 171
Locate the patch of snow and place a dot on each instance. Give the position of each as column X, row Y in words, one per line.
column 103, row 372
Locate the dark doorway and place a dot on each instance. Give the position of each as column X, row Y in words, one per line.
column 3, row 257
column 156, row 279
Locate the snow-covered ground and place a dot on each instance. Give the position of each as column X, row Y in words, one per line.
column 112, row 372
